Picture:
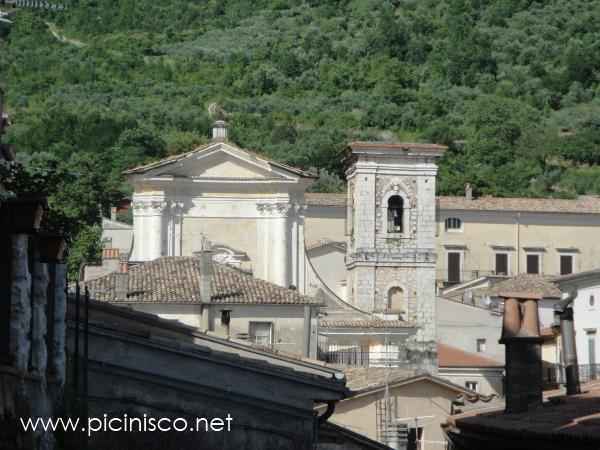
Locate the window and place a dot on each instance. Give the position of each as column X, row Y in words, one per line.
column 396, row 300
column 472, row 385
column 453, row 224
column 592, row 300
column 566, row 264
column 415, row 438
column 454, row 267
column 533, row 264
column 591, row 338
column 261, row 333
column 480, row 345
column 395, row 214
column 501, row 263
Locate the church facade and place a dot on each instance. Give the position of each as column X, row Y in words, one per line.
column 248, row 208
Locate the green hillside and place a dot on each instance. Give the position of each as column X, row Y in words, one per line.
column 512, row 85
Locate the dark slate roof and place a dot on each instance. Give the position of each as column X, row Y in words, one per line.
column 176, row 279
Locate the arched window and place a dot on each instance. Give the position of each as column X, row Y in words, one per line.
column 395, row 214
column 453, row 224
column 396, row 300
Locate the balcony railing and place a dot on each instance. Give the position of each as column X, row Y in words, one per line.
column 359, row 358
column 442, row 276
column 555, row 374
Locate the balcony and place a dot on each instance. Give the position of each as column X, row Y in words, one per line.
column 446, row 279
column 364, row 358
column 555, row 373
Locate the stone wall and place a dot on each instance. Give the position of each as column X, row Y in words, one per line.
column 32, row 377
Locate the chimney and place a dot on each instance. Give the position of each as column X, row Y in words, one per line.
column 113, row 213
column 122, row 279
column 468, row 191
column 563, row 314
column 219, row 131
column 521, row 336
column 205, row 263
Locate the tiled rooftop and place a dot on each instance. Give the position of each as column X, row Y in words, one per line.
column 363, row 323
column 325, row 199
column 525, row 286
column 176, row 279
column 449, row 356
column 586, row 204
column 361, row 378
column 569, row 421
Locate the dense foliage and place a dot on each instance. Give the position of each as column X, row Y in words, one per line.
column 511, row 85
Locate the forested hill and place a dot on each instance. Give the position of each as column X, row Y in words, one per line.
column 107, row 84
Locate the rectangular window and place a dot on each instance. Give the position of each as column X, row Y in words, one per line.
column 481, row 345
column 533, row 264
column 566, row 264
column 472, row 385
column 453, row 267
column 501, row 263
column 261, row 333
column 591, row 337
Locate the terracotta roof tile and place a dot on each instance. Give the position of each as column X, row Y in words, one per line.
column 449, row 356
column 586, row 204
column 525, row 286
column 364, row 323
column 176, row 279
column 325, row 199
column 569, row 421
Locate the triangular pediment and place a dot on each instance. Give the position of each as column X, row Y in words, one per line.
column 222, row 161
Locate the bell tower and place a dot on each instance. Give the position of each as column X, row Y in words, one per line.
column 391, row 235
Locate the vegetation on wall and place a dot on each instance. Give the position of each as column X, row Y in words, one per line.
column 511, row 85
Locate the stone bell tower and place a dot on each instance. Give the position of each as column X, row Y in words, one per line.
column 391, row 234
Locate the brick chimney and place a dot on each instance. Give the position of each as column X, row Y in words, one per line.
column 219, row 131
column 521, row 336
column 122, row 279
column 205, row 267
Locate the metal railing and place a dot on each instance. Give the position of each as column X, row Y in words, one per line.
column 359, row 358
column 442, row 276
column 555, row 374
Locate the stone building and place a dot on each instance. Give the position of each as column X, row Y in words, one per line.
column 32, row 319
column 391, row 235
column 141, row 364
column 215, row 297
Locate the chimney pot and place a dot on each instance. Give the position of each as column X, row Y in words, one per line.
column 219, row 131
column 520, row 335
